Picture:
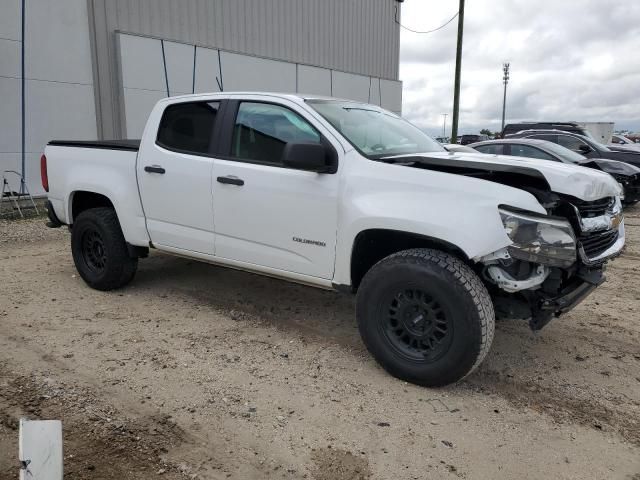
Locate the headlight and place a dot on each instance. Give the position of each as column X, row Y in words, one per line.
column 622, row 181
column 539, row 240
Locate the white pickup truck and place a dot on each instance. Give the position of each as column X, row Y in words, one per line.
column 347, row 196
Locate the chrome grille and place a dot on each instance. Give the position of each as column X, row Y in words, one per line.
column 596, row 243
column 595, row 208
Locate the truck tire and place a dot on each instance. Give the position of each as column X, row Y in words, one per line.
column 99, row 250
column 425, row 316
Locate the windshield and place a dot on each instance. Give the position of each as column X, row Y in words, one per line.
column 374, row 132
column 564, row 153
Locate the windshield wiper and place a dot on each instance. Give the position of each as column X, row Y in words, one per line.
column 360, row 109
column 397, row 159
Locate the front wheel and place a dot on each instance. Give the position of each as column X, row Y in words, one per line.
column 100, row 250
column 425, row 316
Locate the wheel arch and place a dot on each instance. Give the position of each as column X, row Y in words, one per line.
column 372, row 245
column 81, row 200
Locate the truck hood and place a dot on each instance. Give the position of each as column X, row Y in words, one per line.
column 613, row 167
column 583, row 183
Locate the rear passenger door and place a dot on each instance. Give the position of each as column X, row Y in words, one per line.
column 266, row 214
column 174, row 175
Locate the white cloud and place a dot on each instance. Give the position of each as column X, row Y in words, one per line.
column 570, row 60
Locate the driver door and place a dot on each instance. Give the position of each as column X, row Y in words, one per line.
column 266, row 214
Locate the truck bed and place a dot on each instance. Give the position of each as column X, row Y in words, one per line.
column 126, row 144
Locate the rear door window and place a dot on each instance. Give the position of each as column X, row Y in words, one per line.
column 188, row 127
column 529, row 152
column 490, row 149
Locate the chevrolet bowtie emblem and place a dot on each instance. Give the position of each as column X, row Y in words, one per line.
column 616, row 220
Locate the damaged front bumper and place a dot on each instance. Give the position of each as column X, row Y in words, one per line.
column 546, row 292
column 545, row 306
column 551, row 299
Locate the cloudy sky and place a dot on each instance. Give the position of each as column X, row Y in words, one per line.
column 570, row 60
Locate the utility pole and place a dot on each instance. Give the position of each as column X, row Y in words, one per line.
column 505, row 80
column 444, row 124
column 456, row 88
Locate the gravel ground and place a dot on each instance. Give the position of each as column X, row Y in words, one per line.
column 195, row 371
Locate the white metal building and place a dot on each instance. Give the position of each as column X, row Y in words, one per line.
column 86, row 69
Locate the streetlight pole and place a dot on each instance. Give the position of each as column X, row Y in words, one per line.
column 444, row 124
column 456, row 88
column 505, row 80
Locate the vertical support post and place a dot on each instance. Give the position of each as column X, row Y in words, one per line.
column 193, row 84
column 456, row 88
column 505, row 80
column 164, row 64
column 23, row 172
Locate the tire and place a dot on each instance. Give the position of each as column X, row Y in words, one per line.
column 99, row 250
column 425, row 316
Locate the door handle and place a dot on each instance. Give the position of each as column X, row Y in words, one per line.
column 231, row 180
column 154, row 169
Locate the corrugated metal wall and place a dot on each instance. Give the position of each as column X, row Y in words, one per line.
column 358, row 36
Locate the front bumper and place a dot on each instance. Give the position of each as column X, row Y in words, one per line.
column 546, row 306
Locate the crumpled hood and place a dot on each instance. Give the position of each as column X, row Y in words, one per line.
column 584, row 183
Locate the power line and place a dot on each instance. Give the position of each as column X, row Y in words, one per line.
column 428, row 31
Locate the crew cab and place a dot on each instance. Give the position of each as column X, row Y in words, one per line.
column 346, row 196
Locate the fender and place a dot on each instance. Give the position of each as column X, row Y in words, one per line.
column 108, row 172
column 428, row 203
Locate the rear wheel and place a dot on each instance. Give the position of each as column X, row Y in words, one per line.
column 100, row 251
column 425, row 316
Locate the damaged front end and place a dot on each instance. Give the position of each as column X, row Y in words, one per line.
column 554, row 261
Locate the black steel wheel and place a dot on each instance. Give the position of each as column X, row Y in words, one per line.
column 100, row 251
column 417, row 325
column 425, row 316
column 93, row 250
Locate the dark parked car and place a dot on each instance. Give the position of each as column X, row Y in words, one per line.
column 627, row 175
column 571, row 127
column 581, row 144
column 467, row 139
column 620, row 143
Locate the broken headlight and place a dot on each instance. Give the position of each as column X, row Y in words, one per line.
column 539, row 239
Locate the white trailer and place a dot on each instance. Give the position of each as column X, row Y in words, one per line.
column 601, row 131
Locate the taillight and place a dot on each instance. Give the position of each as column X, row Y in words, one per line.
column 43, row 173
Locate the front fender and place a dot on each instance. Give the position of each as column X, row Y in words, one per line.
column 455, row 209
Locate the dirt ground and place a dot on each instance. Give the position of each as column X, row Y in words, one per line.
column 195, row 371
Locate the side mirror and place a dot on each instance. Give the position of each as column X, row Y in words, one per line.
column 585, row 148
column 312, row 157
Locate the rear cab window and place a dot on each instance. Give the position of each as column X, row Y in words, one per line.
column 188, row 127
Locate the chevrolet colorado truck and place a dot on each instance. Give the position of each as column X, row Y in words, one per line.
column 345, row 196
